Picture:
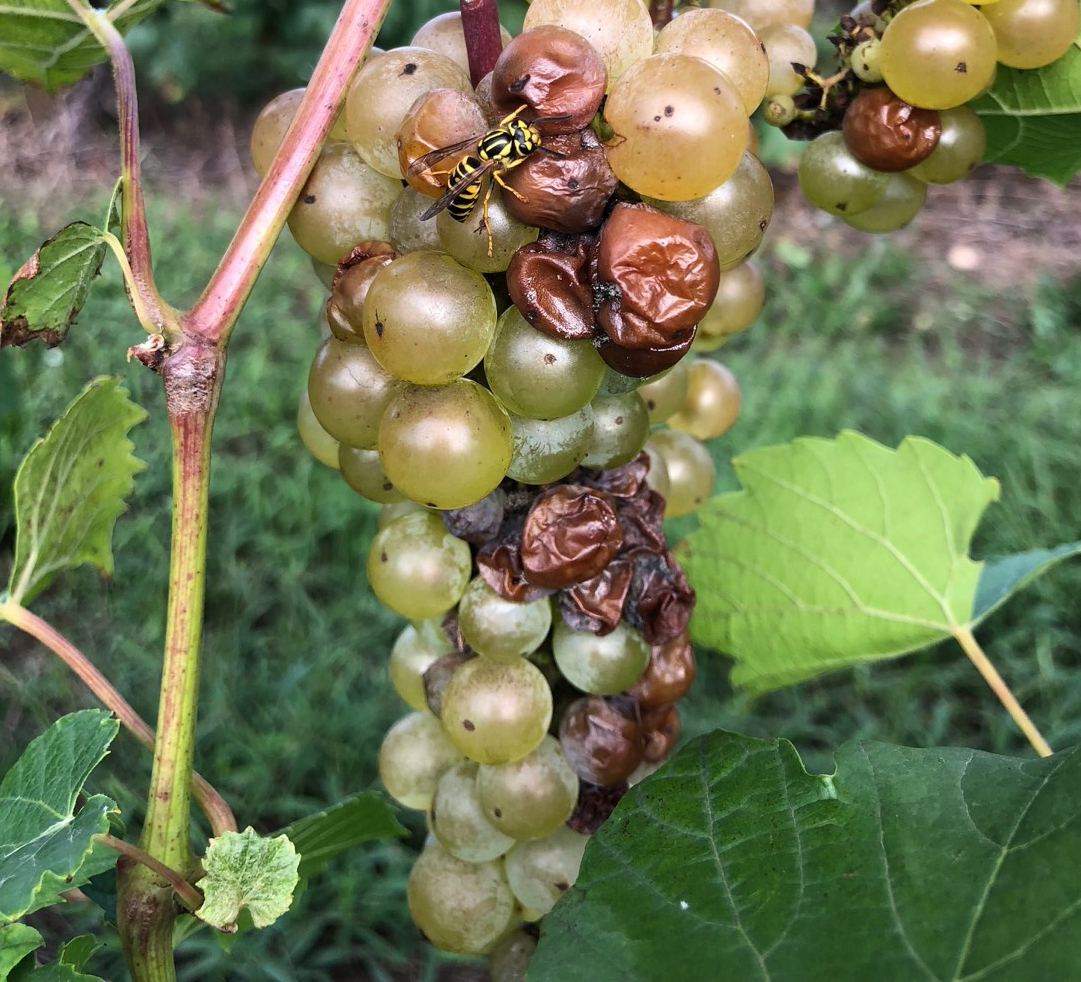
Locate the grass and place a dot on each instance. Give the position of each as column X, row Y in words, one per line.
column 295, row 697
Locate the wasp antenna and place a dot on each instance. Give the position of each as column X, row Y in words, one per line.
column 552, row 119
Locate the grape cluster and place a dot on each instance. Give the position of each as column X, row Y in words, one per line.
column 893, row 120
column 517, row 273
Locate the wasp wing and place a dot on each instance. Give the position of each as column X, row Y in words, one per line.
column 452, row 192
column 425, row 161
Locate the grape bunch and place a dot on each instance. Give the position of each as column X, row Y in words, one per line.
column 893, row 120
column 518, row 270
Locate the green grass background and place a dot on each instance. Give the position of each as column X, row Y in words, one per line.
column 294, row 692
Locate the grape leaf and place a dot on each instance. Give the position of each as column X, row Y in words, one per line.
column 47, row 43
column 71, row 487
column 45, row 845
column 359, row 818
column 1033, row 118
column 1005, row 575
column 46, row 295
column 837, row 551
column 59, row 971
column 17, row 941
column 733, row 864
column 245, row 870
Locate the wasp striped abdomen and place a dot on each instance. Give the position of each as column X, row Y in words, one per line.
column 464, row 200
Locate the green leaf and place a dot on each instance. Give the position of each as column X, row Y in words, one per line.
column 77, row 951
column 837, row 552
column 17, row 941
column 46, row 295
column 359, row 818
column 58, row 971
column 243, row 869
column 71, row 488
column 45, row 845
column 47, row 43
column 1033, row 118
column 733, row 864
column 1003, row 577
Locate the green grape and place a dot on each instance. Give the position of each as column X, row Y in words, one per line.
column 321, row 445
column 657, row 478
column 457, row 819
column 600, row 664
column 532, row 797
column 727, row 43
column 620, row 30
column 383, row 93
column 761, row 14
column 496, row 712
column 1033, row 33
column 324, row 272
column 363, row 472
column 680, row 127
column 407, row 233
column 468, row 241
column 388, row 513
column 736, row 214
column 866, row 61
column 713, row 401
column 444, row 34
column 901, row 203
column 542, row 870
column 417, row 568
column 547, row 449
column 740, row 296
column 691, row 471
column 428, row 319
column 787, row 44
column 349, row 392
column 959, row 150
column 343, row 202
column 270, row 126
column 834, row 180
column 620, row 428
column 664, row 396
column 461, row 907
column 536, row 375
column 414, row 755
column 779, row 110
column 937, row 54
column 413, row 653
column 501, row 629
column 510, row 958
column 445, row 446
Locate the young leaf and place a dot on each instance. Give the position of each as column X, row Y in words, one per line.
column 902, row 866
column 17, row 941
column 47, row 43
column 359, row 818
column 1033, row 118
column 46, row 295
column 45, row 845
column 243, row 869
column 71, row 487
column 837, row 551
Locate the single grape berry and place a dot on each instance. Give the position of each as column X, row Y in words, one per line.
column 887, row 133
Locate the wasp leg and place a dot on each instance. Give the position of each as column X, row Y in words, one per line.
column 487, row 224
column 503, row 184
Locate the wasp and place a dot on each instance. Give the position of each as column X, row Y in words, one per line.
column 501, row 149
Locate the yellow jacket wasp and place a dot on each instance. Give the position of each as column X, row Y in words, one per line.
column 499, row 150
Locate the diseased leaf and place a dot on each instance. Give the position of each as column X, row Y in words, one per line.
column 47, row 43
column 17, row 941
column 245, row 870
column 733, row 864
column 1002, row 577
column 359, row 818
column 45, row 845
column 46, row 295
column 1033, row 118
column 836, row 552
column 71, row 487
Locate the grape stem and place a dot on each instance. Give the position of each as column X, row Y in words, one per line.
column 998, row 685
column 483, row 40
column 189, row 895
column 155, row 315
column 214, row 806
column 661, row 12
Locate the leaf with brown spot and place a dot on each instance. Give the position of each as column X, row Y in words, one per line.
column 46, row 295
